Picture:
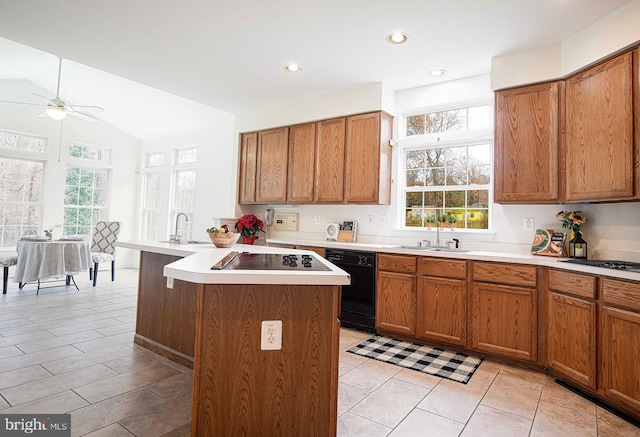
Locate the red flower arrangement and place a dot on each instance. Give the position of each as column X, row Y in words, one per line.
column 249, row 225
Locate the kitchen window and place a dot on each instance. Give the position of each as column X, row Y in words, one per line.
column 446, row 169
column 184, row 188
column 152, row 206
column 85, row 199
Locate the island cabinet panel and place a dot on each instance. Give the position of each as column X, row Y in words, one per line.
column 368, row 158
column 396, row 294
column 329, row 185
column 601, row 157
column 302, row 157
column 527, row 144
column 271, row 174
column 241, row 390
column 248, row 167
column 165, row 320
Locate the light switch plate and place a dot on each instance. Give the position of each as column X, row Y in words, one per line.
column 285, row 222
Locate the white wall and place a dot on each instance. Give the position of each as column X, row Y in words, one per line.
column 124, row 179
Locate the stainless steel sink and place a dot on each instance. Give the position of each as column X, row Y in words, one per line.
column 446, row 249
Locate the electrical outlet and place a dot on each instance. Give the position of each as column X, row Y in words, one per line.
column 317, row 220
column 271, row 335
column 169, row 282
column 529, row 224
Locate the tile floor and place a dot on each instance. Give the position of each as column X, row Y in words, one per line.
column 66, row 351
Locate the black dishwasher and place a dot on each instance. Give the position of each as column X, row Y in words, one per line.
column 358, row 305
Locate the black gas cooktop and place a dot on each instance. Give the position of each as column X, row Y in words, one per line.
column 608, row 264
column 269, row 261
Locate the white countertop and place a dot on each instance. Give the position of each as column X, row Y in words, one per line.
column 475, row 255
column 198, row 258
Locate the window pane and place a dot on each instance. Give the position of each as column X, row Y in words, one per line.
column 479, row 198
column 434, row 199
column 479, row 117
column 92, row 153
column 416, row 125
column 416, row 178
column 480, row 154
column 85, row 200
column 415, row 159
column 184, row 156
column 455, row 199
column 155, row 159
column 29, row 143
column 435, row 177
column 185, row 189
column 477, row 219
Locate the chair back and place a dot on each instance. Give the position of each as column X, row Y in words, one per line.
column 105, row 237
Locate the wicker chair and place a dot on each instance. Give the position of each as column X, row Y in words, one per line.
column 103, row 247
column 7, row 259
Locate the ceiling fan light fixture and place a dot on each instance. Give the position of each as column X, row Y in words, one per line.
column 438, row 72
column 56, row 113
column 397, row 38
column 292, row 68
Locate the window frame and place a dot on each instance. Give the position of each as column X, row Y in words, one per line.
column 99, row 167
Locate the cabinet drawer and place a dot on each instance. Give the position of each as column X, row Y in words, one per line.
column 621, row 293
column 444, row 268
column 397, row 263
column 511, row 274
column 573, row 283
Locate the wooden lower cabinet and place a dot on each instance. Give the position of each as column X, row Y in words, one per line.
column 504, row 320
column 396, row 294
column 442, row 301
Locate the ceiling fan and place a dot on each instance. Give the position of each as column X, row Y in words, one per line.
column 57, row 109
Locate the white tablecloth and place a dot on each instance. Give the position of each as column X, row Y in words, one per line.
column 39, row 260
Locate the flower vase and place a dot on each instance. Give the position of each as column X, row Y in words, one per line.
column 249, row 240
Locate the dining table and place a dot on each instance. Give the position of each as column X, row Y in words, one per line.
column 41, row 259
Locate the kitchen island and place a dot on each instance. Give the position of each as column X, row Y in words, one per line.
column 239, row 387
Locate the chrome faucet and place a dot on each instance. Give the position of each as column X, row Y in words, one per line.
column 175, row 237
column 437, row 231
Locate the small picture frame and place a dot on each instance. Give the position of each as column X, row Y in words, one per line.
column 548, row 243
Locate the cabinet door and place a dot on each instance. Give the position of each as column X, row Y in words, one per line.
column 396, row 303
column 271, row 183
column 621, row 356
column 442, row 310
column 302, row 159
column 571, row 338
column 248, row 161
column 329, row 186
column 504, row 320
column 599, row 132
column 527, row 147
column 368, row 159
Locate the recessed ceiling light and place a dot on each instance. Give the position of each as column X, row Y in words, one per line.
column 397, row 38
column 292, row 68
column 436, row 73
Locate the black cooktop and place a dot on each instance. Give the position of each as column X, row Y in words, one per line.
column 608, row 264
column 269, row 261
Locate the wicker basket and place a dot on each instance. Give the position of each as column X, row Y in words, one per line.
column 224, row 240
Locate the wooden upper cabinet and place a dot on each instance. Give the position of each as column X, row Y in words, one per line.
column 368, row 159
column 248, row 162
column 302, row 156
column 601, row 163
column 527, row 144
column 329, row 186
column 271, row 182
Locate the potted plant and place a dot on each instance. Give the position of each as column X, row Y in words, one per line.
column 452, row 219
column 429, row 221
column 249, row 227
column 442, row 220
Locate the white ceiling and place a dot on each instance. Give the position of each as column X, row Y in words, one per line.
column 174, row 65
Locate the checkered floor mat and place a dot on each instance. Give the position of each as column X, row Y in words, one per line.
column 446, row 364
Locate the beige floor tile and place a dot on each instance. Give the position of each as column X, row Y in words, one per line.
column 22, row 376
column 3, row 405
column 512, row 400
column 174, row 386
column 351, row 425
column 79, row 327
column 370, row 375
column 420, row 423
column 10, row 351
column 556, row 394
column 103, row 343
column 109, row 306
column 137, row 358
column 349, row 358
column 349, row 396
column 104, row 315
column 109, row 411
column 58, row 403
column 50, row 343
column 127, row 318
column 532, row 376
column 610, row 425
column 418, row 378
column 183, row 431
column 453, row 400
column 344, row 368
column 113, row 430
column 69, row 313
column 160, row 419
column 486, row 373
column 23, row 338
column 390, row 403
column 68, row 364
column 487, row 421
column 55, row 384
column 556, row 420
column 13, row 321
column 350, row 337
column 23, row 329
column 27, row 360
column 116, row 385
column 118, row 329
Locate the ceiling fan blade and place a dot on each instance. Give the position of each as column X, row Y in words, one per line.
column 23, row 103
column 83, row 115
column 41, row 96
column 92, row 107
